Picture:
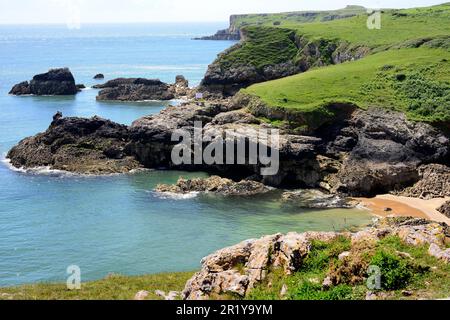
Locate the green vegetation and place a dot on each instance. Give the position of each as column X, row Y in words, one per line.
column 241, row 21
column 415, row 81
column 264, row 46
column 406, row 67
column 113, row 287
column 404, row 268
column 397, row 26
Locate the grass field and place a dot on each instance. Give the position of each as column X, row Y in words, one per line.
column 415, row 81
column 114, row 287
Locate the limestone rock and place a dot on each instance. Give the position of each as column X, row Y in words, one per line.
column 439, row 253
column 215, row 184
column 141, row 295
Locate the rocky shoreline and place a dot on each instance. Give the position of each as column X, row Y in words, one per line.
column 362, row 153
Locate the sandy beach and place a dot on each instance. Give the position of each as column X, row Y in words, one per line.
column 397, row 206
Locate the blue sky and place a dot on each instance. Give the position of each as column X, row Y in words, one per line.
column 104, row 11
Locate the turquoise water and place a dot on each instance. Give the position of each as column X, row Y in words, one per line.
column 116, row 224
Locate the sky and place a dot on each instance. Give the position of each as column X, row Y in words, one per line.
column 125, row 11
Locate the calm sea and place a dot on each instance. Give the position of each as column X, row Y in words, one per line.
column 115, row 224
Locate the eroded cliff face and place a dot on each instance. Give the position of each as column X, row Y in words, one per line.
column 359, row 153
column 267, row 53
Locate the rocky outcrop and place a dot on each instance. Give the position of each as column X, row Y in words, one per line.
column 237, row 269
column 140, row 89
column 54, row 82
column 381, row 151
column 215, row 184
column 88, row 146
column 315, row 199
column 99, row 76
column 434, row 183
column 134, row 89
column 224, row 35
column 232, row 33
column 363, row 153
column 445, row 209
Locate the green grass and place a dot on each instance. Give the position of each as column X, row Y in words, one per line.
column 114, row 287
column 264, row 46
column 397, row 26
column 295, row 17
column 415, row 81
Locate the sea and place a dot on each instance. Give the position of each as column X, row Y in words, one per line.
column 51, row 220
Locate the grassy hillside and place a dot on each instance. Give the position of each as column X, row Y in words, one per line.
column 397, row 26
column 114, row 287
column 240, row 21
column 415, row 81
column 406, row 67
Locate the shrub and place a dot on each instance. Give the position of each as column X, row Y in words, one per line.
column 395, row 272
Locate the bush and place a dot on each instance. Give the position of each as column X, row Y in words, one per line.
column 395, row 272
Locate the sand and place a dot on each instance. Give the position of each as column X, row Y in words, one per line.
column 404, row 206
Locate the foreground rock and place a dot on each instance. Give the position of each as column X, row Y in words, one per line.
column 54, row 82
column 134, row 89
column 237, row 269
column 215, row 184
column 88, row 146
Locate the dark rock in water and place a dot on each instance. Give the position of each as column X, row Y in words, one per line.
column 445, row 209
column 214, row 184
column 89, row 146
column 22, row 88
column 54, row 82
column 81, row 87
column 99, row 76
column 316, row 199
column 134, row 89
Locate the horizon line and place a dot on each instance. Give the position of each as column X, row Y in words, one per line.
column 103, row 23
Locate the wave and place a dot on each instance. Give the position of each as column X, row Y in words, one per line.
column 43, row 170
column 175, row 196
column 48, row 171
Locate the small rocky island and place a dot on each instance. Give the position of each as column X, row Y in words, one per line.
column 139, row 89
column 54, row 82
